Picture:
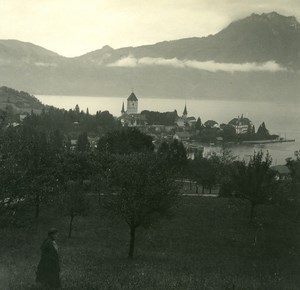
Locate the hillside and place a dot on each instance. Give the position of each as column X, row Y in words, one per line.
column 20, row 102
column 255, row 58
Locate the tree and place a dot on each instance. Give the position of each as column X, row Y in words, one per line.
column 29, row 161
column 262, row 130
column 75, row 202
column 198, row 124
column 77, row 109
column 83, row 143
column 254, row 181
column 143, row 191
column 294, row 166
column 3, row 118
column 174, row 153
column 204, row 171
column 125, row 141
column 228, row 132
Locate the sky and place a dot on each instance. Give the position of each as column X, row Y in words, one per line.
column 75, row 27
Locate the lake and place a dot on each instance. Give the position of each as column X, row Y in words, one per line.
column 281, row 118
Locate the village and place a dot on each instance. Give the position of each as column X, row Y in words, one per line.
column 190, row 130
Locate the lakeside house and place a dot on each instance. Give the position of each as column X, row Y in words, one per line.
column 242, row 125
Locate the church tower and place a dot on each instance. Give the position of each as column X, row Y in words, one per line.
column 123, row 110
column 185, row 113
column 132, row 104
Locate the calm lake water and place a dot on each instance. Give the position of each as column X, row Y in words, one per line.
column 280, row 118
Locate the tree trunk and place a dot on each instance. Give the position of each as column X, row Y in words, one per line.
column 209, row 189
column 203, row 189
column 71, row 226
column 190, row 185
column 37, row 205
column 132, row 240
column 197, row 191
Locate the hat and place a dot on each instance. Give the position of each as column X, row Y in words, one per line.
column 52, row 231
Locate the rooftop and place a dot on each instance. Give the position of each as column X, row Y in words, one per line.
column 132, row 97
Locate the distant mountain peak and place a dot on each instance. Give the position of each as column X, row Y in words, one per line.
column 107, row 48
column 276, row 19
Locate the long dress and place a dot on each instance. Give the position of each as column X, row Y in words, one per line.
column 49, row 266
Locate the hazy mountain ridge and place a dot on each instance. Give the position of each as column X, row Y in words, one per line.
column 255, row 39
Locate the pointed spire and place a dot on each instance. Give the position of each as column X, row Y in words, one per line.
column 184, row 114
column 123, row 110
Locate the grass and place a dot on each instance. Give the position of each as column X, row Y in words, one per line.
column 209, row 244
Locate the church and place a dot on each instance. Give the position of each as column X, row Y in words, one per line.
column 130, row 117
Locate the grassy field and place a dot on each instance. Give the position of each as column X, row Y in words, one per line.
column 208, row 244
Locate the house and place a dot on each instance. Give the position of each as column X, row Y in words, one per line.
column 73, row 144
column 180, row 122
column 22, row 116
column 93, row 141
column 194, row 151
column 191, row 121
column 242, row 125
column 282, row 172
column 182, row 136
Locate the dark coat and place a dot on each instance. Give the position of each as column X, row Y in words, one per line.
column 49, row 266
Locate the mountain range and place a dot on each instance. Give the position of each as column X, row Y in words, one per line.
column 255, row 58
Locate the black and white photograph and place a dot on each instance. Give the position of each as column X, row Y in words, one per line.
column 150, row 145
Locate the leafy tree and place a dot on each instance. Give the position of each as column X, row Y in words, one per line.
column 198, row 124
column 83, row 143
column 158, row 118
column 175, row 155
column 254, row 181
column 225, row 165
column 125, row 141
column 77, row 109
column 11, row 172
column 228, row 132
column 210, row 123
column 204, row 171
column 32, row 170
column 143, row 191
column 294, row 166
column 3, row 118
column 75, row 202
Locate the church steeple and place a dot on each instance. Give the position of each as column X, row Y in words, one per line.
column 184, row 114
column 123, row 110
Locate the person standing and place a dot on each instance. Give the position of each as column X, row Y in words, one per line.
column 48, row 270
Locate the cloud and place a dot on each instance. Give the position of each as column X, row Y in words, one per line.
column 211, row 66
column 45, row 64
